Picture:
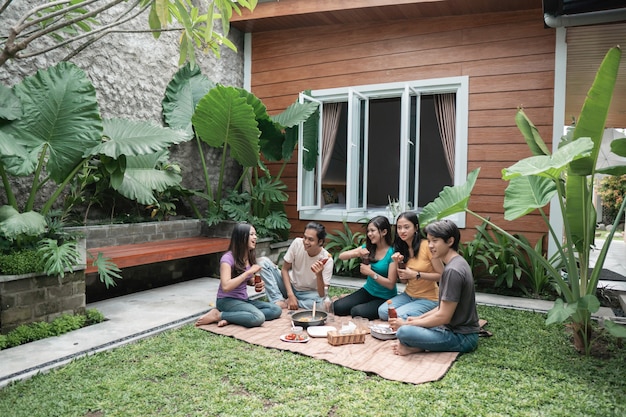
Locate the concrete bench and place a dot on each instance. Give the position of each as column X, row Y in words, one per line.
column 145, row 253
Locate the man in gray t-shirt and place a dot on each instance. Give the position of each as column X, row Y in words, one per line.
column 452, row 326
column 457, row 285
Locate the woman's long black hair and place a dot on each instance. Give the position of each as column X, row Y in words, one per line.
column 400, row 245
column 381, row 223
column 239, row 247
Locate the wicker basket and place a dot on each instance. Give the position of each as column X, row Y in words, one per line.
column 336, row 339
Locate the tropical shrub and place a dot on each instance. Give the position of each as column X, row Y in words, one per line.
column 343, row 240
column 535, row 181
column 236, row 122
column 51, row 130
column 536, row 280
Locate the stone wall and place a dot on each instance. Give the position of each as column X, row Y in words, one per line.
column 32, row 298
column 125, row 234
column 130, row 72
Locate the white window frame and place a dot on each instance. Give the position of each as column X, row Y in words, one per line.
column 404, row 90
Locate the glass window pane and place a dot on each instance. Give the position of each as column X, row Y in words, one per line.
column 433, row 168
column 413, row 140
column 334, row 169
column 384, row 152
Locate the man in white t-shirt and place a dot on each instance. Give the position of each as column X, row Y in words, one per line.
column 307, row 269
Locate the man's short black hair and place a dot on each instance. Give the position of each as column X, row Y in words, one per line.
column 319, row 229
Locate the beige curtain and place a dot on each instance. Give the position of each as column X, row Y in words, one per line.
column 445, row 108
column 332, row 112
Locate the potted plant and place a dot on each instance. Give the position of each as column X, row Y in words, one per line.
column 567, row 172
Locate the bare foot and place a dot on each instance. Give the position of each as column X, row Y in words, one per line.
column 281, row 304
column 402, row 350
column 210, row 317
column 222, row 323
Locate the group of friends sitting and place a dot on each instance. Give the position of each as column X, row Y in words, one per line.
column 435, row 312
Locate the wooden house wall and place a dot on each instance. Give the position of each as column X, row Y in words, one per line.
column 509, row 58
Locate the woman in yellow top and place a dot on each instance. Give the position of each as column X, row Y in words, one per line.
column 420, row 273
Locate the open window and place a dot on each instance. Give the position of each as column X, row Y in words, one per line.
column 383, row 149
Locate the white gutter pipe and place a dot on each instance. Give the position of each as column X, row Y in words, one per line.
column 583, row 19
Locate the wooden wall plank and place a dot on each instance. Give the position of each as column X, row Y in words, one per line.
column 508, row 57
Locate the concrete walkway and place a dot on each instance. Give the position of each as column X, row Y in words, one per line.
column 144, row 314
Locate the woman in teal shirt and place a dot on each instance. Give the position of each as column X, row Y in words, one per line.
column 379, row 269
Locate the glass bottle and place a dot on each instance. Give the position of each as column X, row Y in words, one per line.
column 393, row 314
column 327, row 305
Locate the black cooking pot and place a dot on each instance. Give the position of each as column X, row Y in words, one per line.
column 305, row 318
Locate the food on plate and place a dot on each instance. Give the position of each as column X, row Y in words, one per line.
column 295, row 337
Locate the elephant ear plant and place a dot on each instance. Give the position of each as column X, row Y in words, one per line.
column 235, row 122
column 50, row 130
column 567, row 175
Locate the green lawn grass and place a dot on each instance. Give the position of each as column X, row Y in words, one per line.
column 524, row 369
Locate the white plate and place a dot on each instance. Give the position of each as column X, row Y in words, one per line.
column 382, row 332
column 284, row 339
column 319, row 331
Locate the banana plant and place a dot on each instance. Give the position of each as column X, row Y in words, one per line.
column 566, row 174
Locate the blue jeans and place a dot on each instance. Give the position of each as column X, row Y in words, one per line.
column 437, row 339
column 251, row 313
column 275, row 287
column 406, row 306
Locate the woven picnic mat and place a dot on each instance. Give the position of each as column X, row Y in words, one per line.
column 375, row 356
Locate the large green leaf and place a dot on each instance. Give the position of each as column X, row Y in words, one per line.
column 592, row 119
column 17, row 160
column 60, row 111
column 580, row 213
column 224, row 118
column 127, row 137
column 550, row 166
column 260, row 111
column 531, row 134
column 560, row 312
column 615, row 329
column 272, row 133
column 182, row 95
column 525, row 194
column 451, row 200
column 291, row 140
column 10, row 106
column 279, row 139
column 272, row 140
column 13, row 223
column 618, row 147
column 295, row 114
column 142, row 177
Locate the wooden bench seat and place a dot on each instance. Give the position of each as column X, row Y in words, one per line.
column 136, row 254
